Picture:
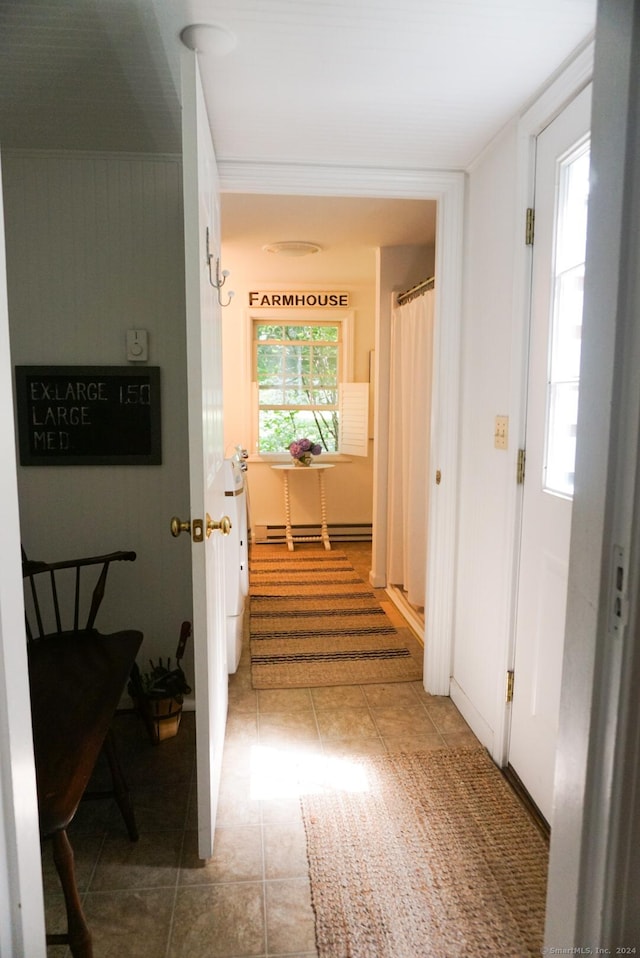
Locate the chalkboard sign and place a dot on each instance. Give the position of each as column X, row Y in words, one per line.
column 88, row 415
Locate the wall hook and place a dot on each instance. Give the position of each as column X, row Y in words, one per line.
column 221, row 278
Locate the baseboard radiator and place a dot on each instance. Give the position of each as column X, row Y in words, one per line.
column 360, row 532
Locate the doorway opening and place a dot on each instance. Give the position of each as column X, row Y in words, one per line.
column 243, row 214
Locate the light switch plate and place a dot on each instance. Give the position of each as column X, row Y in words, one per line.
column 501, row 434
column 137, row 346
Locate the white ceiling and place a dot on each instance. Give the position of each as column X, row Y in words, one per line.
column 332, row 222
column 385, row 83
column 403, row 84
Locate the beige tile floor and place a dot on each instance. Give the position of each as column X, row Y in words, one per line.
column 155, row 898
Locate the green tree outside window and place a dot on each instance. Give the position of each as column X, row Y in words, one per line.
column 297, row 371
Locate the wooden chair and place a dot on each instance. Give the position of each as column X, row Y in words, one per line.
column 76, row 677
column 63, row 598
column 75, row 682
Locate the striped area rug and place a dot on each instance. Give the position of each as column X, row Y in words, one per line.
column 315, row 622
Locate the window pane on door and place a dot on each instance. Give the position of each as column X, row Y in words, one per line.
column 566, row 322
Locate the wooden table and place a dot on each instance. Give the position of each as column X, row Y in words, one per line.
column 76, row 680
column 319, row 469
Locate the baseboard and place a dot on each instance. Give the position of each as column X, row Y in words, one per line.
column 415, row 622
column 346, row 532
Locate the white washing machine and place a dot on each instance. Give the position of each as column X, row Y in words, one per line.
column 236, row 551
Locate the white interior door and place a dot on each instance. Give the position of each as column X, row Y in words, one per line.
column 22, row 926
column 206, row 445
column 561, row 194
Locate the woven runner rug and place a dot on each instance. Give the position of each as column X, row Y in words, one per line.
column 315, row 622
column 426, row 855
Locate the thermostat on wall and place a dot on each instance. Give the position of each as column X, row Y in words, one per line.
column 137, row 346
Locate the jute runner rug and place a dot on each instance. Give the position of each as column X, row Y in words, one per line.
column 427, row 855
column 315, row 622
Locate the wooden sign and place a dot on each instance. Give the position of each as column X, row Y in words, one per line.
column 88, row 415
column 300, row 300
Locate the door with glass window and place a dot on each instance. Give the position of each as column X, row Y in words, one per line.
column 561, row 197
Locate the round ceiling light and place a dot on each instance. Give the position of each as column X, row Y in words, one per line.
column 209, row 38
column 292, row 248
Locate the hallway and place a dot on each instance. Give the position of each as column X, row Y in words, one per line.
column 155, row 899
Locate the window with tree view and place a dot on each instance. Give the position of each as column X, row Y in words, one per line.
column 297, row 370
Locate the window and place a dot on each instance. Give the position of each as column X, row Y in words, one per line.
column 302, row 371
column 566, row 322
column 297, row 370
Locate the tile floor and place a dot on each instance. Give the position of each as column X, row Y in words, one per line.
column 155, row 898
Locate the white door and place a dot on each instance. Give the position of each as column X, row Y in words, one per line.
column 561, row 194
column 206, row 445
column 22, row 927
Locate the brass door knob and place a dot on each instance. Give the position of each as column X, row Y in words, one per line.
column 224, row 525
column 177, row 526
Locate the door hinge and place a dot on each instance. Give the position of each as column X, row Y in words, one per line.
column 529, row 228
column 520, row 468
column 619, row 600
column 509, row 695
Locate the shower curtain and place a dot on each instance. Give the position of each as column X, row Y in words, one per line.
column 409, row 429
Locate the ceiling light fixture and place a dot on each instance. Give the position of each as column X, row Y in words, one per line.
column 292, row 248
column 210, row 39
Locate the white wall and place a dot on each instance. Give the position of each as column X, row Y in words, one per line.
column 349, row 485
column 494, row 355
column 487, row 475
column 94, row 247
column 355, row 270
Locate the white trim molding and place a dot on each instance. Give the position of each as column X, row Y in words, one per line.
column 445, row 417
column 292, row 179
column 594, row 857
column 447, row 188
column 22, row 925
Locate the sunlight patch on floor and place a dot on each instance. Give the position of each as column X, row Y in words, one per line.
column 291, row 772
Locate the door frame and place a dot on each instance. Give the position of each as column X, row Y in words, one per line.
column 595, row 852
column 546, row 108
column 531, row 751
column 448, row 190
column 22, row 925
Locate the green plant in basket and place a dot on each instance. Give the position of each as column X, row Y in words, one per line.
column 158, row 694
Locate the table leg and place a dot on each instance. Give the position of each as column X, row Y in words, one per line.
column 287, row 511
column 323, row 512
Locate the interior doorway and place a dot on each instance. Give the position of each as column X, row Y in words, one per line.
column 446, row 191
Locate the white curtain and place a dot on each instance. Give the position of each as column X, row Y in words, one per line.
column 409, row 428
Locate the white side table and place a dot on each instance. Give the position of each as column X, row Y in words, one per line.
column 319, row 469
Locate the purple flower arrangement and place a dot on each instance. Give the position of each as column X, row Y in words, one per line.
column 302, row 450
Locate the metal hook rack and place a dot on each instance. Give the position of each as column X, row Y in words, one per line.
column 221, row 278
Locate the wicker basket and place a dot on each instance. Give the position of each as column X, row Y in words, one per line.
column 161, row 717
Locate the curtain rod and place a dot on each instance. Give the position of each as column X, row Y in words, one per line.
column 418, row 290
